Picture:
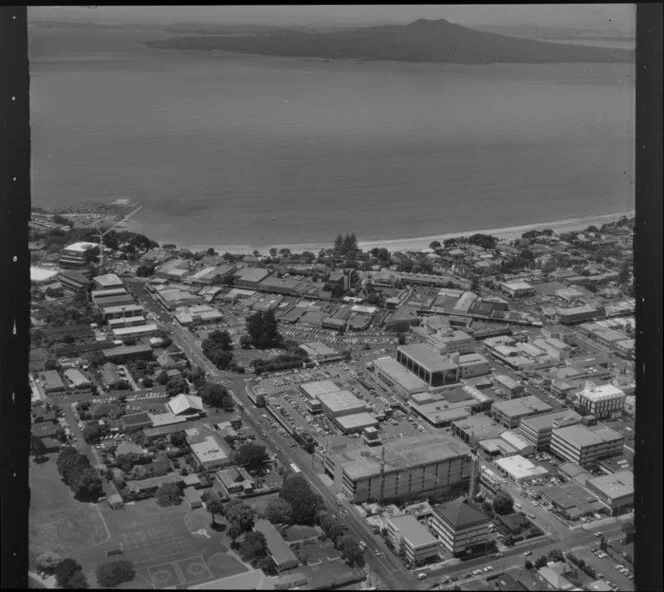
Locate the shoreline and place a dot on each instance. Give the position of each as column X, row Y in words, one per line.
column 422, row 242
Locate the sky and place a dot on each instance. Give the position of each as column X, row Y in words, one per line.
column 609, row 17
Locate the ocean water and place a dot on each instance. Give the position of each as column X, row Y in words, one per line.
column 228, row 149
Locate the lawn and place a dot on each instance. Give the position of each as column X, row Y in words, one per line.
column 297, row 533
column 57, row 521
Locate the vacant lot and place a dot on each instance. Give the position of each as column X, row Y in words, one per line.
column 58, row 522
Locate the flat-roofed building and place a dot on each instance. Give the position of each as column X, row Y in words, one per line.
column 210, row 275
column 601, row 401
column 510, row 413
column 42, row 275
column 280, row 552
column 577, row 314
column 518, row 442
column 519, row 469
column 126, row 322
column 476, row 428
column 395, row 375
column 473, row 365
column 175, row 269
column 461, row 528
column 339, row 403
column 586, row 445
column 321, row 353
column 76, row 379
column 517, row 289
column 615, row 491
column 355, row 422
column 172, row 298
column 538, row 429
column 449, row 341
column 129, row 352
column 312, row 390
column 432, row 465
column 106, row 299
column 136, row 331
column 78, row 255
column 250, row 277
column 412, row 539
column 108, row 281
column 119, row 312
column 508, row 387
column 210, row 454
column 427, row 365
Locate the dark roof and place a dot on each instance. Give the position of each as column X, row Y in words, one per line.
column 136, row 419
column 74, row 276
column 459, row 514
column 278, row 548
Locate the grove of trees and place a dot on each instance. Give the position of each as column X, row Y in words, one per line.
column 114, row 573
column 217, row 348
column 251, row 456
column 66, row 570
column 176, row 385
column 216, row 395
column 263, row 330
column 76, row 472
column 304, row 502
column 239, row 515
column 169, row 494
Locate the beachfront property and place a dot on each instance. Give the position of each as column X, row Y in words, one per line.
column 433, row 465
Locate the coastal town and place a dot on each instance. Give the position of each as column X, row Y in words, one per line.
column 454, row 417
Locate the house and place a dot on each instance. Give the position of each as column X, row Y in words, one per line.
column 192, row 497
column 115, row 501
column 553, row 575
column 110, row 375
column 235, row 480
column 186, row 405
column 51, row 444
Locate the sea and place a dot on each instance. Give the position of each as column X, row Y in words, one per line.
column 236, row 149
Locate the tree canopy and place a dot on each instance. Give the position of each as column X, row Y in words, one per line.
column 240, row 514
column 216, row 395
column 217, row 348
column 76, row 472
column 279, row 511
column 351, row 551
column 251, row 456
column 169, row 494
column 176, row 386
column 254, row 547
column 65, row 570
column 305, row 503
column 503, row 503
column 263, row 330
column 48, row 561
column 113, row 573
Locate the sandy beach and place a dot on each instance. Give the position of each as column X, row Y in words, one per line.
column 422, row 242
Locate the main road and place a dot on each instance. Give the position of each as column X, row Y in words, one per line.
column 387, row 568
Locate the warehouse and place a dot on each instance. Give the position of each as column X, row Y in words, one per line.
column 339, row 403
column 510, row 413
column 425, row 363
column 395, row 375
column 172, row 298
column 210, row 275
column 520, row 469
column 432, row 465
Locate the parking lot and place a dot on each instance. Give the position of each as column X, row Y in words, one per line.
column 615, row 573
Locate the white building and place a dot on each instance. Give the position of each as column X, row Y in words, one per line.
column 517, row 289
column 412, row 539
column 601, row 401
column 520, row 469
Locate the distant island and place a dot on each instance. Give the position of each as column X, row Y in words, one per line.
column 421, row 41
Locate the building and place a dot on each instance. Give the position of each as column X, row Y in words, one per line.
column 510, row 413
column 42, row 275
column 108, row 281
column 74, row 281
column 460, row 527
column 552, row 574
column 538, row 429
column 175, row 269
column 339, row 403
column 51, row 382
column 116, row 297
column 136, row 421
column 577, row 314
column 601, row 401
column 129, row 352
column 429, row 366
column 250, row 277
column 209, row 454
column 199, row 314
column 508, row 387
column 615, row 491
column 78, row 255
column 321, row 353
column 412, row 539
column 396, row 376
column 444, row 339
column 235, row 480
column 355, row 422
column 432, row 465
column 77, row 380
column 172, row 298
column 312, row 390
column 473, row 365
column 192, row 497
column 211, row 275
column 280, row 552
column 517, row 441
column 120, row 312
column 476, row 428
column 517, row 289
column 186, row 405
column 519, row 469
column 135, row 331
column 585, row 445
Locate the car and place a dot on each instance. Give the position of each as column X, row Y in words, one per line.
column 498, row 555
column 487, row 569
column 467, row 575
column 597, row 534
column 477, row 572
column 378, row 553
column 527, row 553
column 453, row 578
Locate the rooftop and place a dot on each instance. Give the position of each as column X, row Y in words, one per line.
column 357, row 420
column 522, row 406
column 108, row 280
column 540, row 422
column 314, row 389
column 604, row 392
column 614, row 486
column 579, row 435
column 426, row 357
column 279, row 549
column 41, row 274
column 401, row 454
column 337, row 401
column 209, row 450
column 398, row 373
column 459, row 514
column 412, row 531
column 251, row 274
column 521, row 468
column 81, row 247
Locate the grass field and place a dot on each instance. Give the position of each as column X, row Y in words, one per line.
column 57, row 521
column 173, row 548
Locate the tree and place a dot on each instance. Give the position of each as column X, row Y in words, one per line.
column 216, row 395
column 38, row 448
column 251, row 456
column 48, row 561
column 338, row 243
column 351, row 551
column 245, row 342
column 178, row 439
column 503, row 503
column 279, row 511
column 556, row 555
column 540, row 561
column 254, row 547
column 169, row 494
column 273, row 253
column 528, row 564
column 77, row 582
column 435, row 245
column 65, row 570
column 215, row 506
column 233, row 531
column 240, row 514
column 147, row 382
column 91, row 433
column 401, row 339
column 262, row 329
column 113, row 573
column 176, row 385
column 162, row 377
column 298, row 494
